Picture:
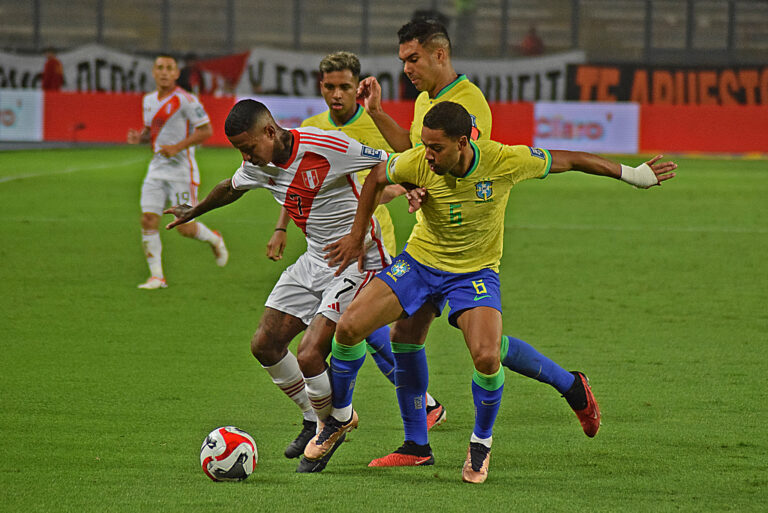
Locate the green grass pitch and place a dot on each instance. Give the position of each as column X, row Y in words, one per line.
column 107, row 391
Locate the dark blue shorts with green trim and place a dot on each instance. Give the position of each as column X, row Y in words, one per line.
column 415, row 284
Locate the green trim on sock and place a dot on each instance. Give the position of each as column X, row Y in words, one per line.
column 371, row 349
column 348, row 353
column 489, row 382
column 406, row 348
column 504, row 347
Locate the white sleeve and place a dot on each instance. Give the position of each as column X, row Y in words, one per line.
column 248, row 177
column 195, row 113
column 360, row 157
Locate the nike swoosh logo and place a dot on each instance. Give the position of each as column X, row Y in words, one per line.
column 478, row 298
column 489, row 404
column 422, row 460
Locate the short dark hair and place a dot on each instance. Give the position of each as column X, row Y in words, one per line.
column 425, row 31
column 339, row 61
column 243, row 116
column 451, row 118
column 167, row 56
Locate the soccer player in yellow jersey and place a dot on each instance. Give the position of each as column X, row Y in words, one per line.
column 453, row 256
column 425, row 51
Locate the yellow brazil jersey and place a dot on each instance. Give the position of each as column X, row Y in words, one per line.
column 362, row 128
column 462, row 226
column 460, row 91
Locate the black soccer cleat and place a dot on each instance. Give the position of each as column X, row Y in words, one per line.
column 296, row 448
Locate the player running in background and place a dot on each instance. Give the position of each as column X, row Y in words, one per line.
column 311, row 172
column 425, row 50
column 340, row 76
column 173, row 176
column 452, row 256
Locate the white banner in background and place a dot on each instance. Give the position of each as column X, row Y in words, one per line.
column 290, row 112
column 592, row 127
column 289, row 73
column 87, row 68
column 21, row 115
column 521, row 80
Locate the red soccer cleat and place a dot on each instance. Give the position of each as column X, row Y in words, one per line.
column 408, row 455
column 584, row 405
column 435, row 415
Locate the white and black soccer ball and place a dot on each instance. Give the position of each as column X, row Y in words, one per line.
column 228, row 454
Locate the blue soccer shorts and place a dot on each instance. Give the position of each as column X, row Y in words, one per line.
column 415, row 284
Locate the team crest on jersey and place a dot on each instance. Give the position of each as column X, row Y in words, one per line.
column 538, row 153
column 310, row 178
column 484, row 189
column 400, row 267
column 367, row 151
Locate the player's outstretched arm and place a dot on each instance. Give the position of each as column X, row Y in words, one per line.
column 646, row 175
column 277, row 242
column 222, row 194
column 351, row 247
column 369, row 91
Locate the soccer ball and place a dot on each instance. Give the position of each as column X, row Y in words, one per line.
column 228, row 454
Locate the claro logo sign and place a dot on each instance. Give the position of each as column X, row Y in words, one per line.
column 593, row 127
column 559, row 127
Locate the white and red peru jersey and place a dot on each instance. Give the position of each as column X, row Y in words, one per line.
column 319, row 189
column 171, row 119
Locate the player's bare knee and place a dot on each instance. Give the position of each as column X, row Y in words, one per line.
column 347, row 331
column 406, row 336
column 487, row 363
column 264, row 349
column 311, row 361
column 149, row 221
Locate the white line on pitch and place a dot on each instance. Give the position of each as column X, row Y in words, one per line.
column 5, row 179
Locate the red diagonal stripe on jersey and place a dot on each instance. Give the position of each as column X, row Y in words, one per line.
column 306, row 183
column 167, row 110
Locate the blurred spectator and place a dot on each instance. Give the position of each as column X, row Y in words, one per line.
column 532, row 43
column 191, row 76
column 53, row 72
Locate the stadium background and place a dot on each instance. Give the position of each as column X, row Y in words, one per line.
column 658, row 295
column 683, row 63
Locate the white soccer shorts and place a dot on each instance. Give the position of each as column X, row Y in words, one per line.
column 157, row 194
column 308, row 287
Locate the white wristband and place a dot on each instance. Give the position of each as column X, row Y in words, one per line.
column 641, row 176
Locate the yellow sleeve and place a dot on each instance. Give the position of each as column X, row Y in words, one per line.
column 525, row 162
column 404, row 167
